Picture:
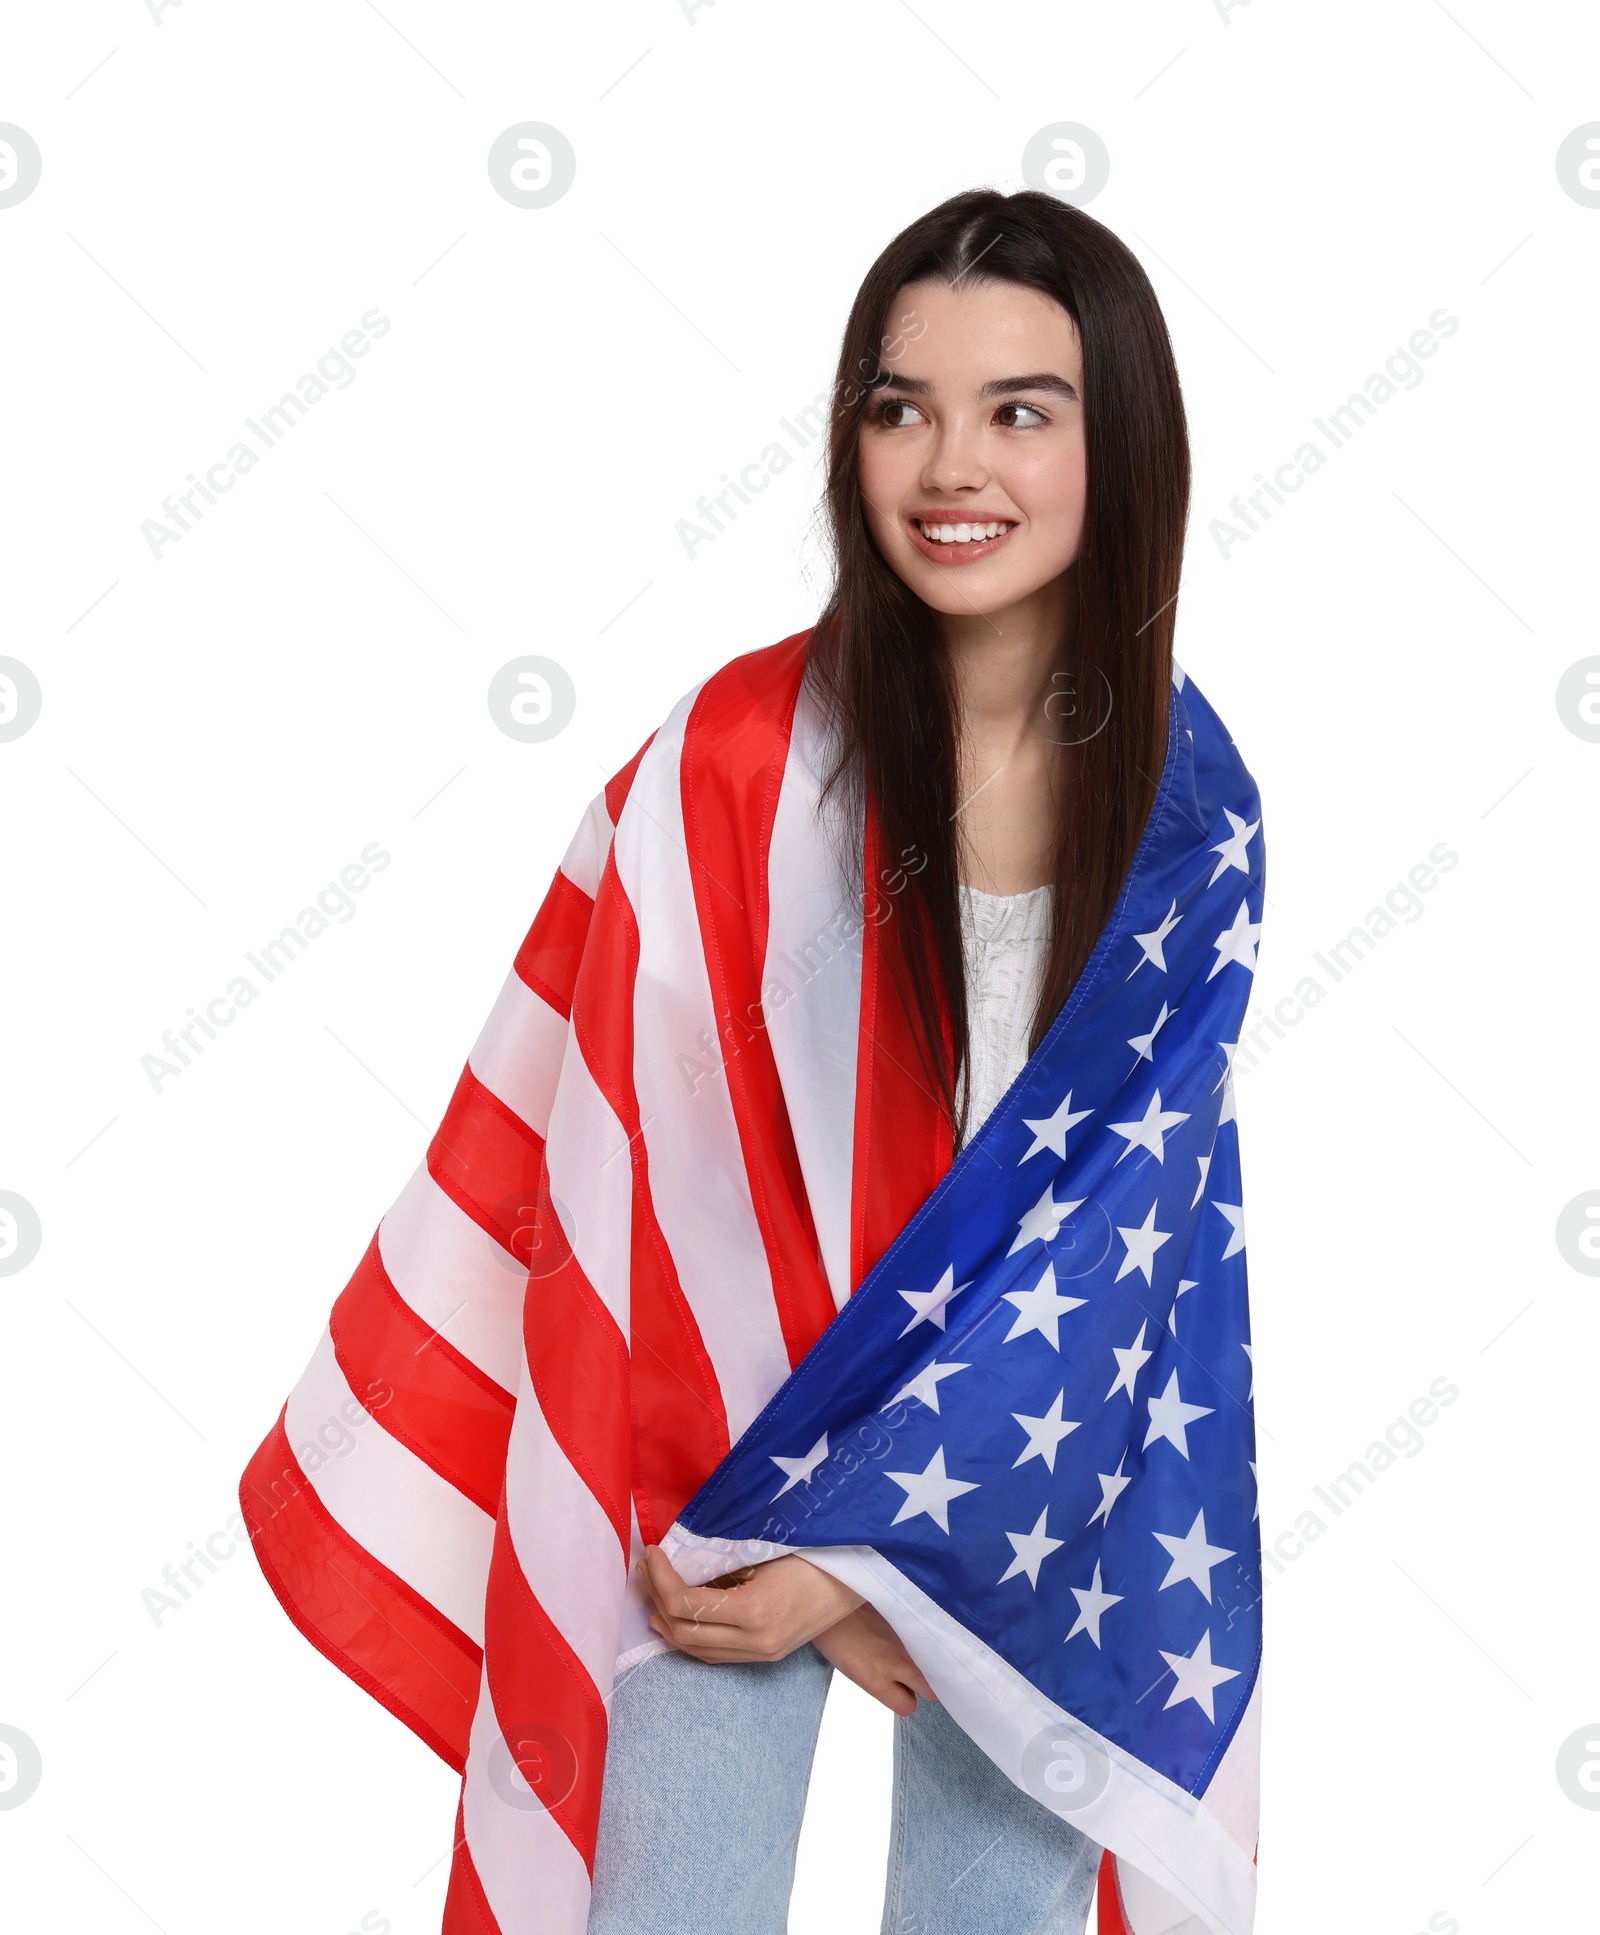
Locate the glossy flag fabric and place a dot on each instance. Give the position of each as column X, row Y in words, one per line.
column 1028, row 1439
column 688, row 1259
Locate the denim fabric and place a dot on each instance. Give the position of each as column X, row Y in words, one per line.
column 971, row 1854
column 705, row 1788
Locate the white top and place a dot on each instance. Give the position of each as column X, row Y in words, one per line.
column 1005, row 938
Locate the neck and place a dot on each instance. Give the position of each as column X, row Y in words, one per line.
column 1002, row 662
column 1003, row 665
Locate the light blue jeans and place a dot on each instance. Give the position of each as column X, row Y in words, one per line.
column 705, row 1787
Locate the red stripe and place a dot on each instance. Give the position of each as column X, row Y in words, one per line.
column 536, row 1680
column 548, row 958
column 681, row 1421
column 442, row 1407
column 1109, row 1917
column 903, row 1142
column 487, row 1160
column 578, row 1364
column 466, row 1906
column 354, row 1610
column 735, row 745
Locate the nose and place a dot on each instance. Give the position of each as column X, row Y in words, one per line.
column 955, row 459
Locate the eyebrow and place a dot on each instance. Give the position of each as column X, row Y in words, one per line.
column 1038, row 380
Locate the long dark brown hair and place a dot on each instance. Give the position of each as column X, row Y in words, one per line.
column 877, row 658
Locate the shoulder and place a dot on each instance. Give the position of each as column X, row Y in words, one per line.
column 733, row 727
column 753, row 695
column 742, row 715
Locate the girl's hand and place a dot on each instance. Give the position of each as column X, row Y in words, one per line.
column 777, row 1608
column 866, row 1649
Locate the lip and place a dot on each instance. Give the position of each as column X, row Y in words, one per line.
column 969, row 553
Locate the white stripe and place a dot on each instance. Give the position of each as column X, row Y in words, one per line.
column 517, row 1055
column 698, row 1182
column 392, row 1504
column 1146, row 1820
column 1148, row 1909
column 532, row 1875
column 1233, row 1793
column 591, row 1183
column 814, row 959
column 565, row 1544
column 637, row 1639
column 585, row 860
column 456, row 1277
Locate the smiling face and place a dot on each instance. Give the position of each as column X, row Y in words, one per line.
column 972, row 457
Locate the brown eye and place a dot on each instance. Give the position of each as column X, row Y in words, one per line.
column 897, row 413
column 1011, row 416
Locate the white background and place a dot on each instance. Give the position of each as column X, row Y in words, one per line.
column 223, row 730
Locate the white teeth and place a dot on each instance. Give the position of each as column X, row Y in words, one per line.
column 962, row 533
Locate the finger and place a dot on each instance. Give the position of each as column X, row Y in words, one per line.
column 897, row 1697
column 700, row 1644
column 668, row 1587
column 676, row 1599
column 916, row 1680
column 687, row 1631
column 661, row 1576
column 709, row 1656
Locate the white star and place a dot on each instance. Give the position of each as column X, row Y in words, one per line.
column 928, row 1491
column 1170, row 1417
column 1151, row 942
column 1250, row 1352
column 1042, row 1221
column 1192, row 1558
column 925, row 1385
column 1112, row 1485
column 1148, row 1131
column 1040, row 1309
column 1050, row 1131
column 1229, row 1050
column 929, row 1304
column 1145, row 1044
column 1233, row 848
column 1188, row 1283
column 1032, row 1549
column 1235, row 1215
column 1092, row 1603
column 1230, row 1105
column 1142, row 1242
column 1130, row 1363
column 800, row 1469
column 1257, row 1512
column 1044, row 1434
column 1197, row 1678
column 1238, row 942
column 1205, row 1170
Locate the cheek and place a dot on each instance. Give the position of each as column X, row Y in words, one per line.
column 887, row 471
column 1052, row 491
column 1053, row 488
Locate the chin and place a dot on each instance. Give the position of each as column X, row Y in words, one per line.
column 973, row 592
column 980, row 601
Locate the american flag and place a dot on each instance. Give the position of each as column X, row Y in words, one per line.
column 614, row 1306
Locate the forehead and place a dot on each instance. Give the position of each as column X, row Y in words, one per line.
column 978, row 331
